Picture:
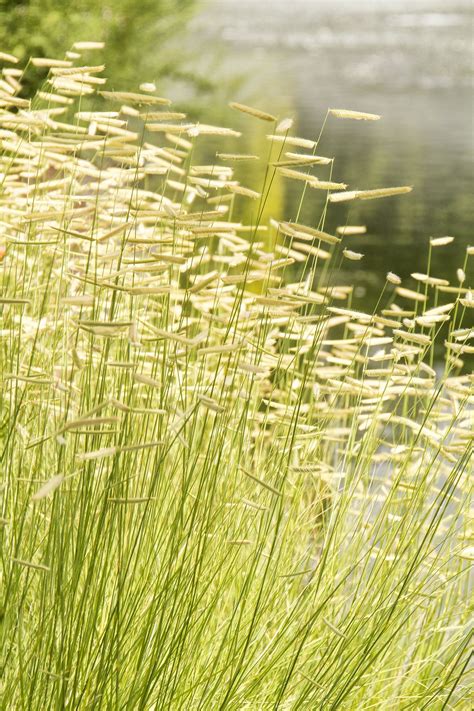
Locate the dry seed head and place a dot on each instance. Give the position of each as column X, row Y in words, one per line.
column 430, row 321
column 445, row 308
column 415, row 337
column 354, row 256
column 370, row 194
column 357, row 115
column 322, row 160
column 237, row 156
column 5, row 57
column 48, row 487
column 284, row 125
column 169, row 127
column 468, row 301
column 393, row 278
column 294, row 229
column 88, row 45
column 427, row 279
column 351, row 230
column 300, row 159
column 134, row 98
column 440, row 241
column 148, row 87
column 410, row 294
column 49, row 63
column 326, row 185
column 383, row 192
column 240, row 190
column 144, row 379
column 292, row 141
column 296, row 175
column 102, row 453
column 211, row 404
column 204, row 129
column 256, row 113
column 343, row 196
column 55, row 98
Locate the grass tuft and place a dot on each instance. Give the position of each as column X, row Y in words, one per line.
column 224, row 486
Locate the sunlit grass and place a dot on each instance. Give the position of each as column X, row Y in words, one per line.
column 224, row 485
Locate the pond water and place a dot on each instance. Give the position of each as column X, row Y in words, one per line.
column 409, row 61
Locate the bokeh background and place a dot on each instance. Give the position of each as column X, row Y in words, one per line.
column 409, row 60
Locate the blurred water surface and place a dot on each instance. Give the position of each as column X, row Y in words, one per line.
column 410, row 61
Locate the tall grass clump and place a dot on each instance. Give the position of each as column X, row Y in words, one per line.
column 224, row 486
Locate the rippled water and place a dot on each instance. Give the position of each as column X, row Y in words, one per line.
column 409, row 61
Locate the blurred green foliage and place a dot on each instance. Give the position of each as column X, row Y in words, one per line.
column 136, row 33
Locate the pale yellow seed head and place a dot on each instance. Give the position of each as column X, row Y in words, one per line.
column 149, row 87
column 284, row 125
column 251, row 111
column 440, row 241
column 393, row 278
column 357, row 115
column 354, row 256
column 88, row 45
